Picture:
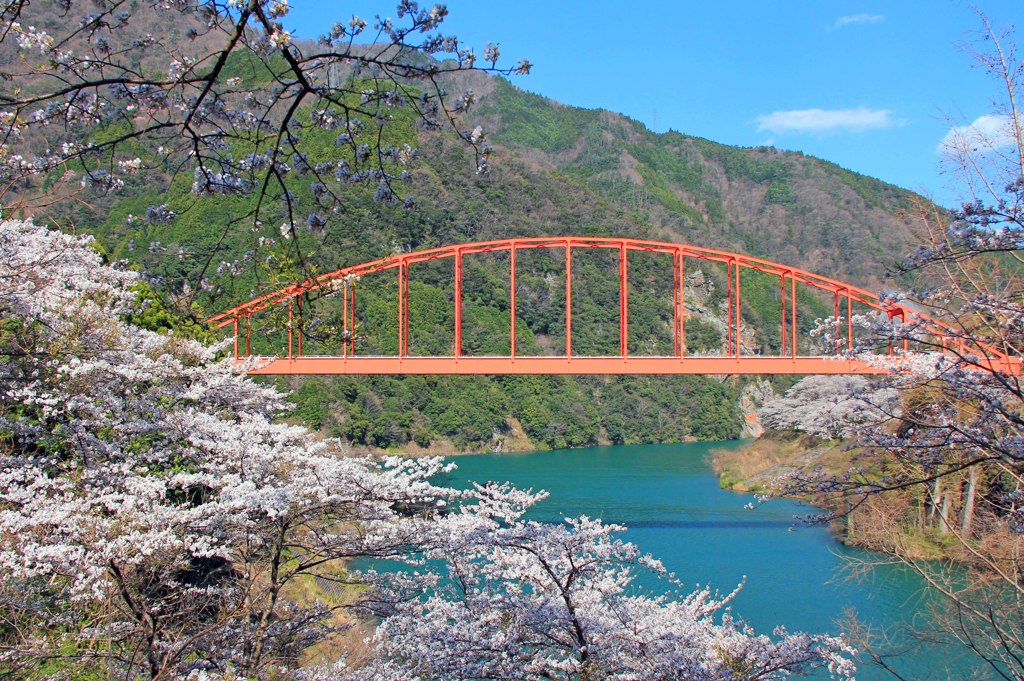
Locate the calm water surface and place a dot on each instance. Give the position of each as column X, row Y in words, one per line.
column 674, row 508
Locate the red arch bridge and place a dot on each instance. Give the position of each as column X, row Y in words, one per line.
column 285, row 309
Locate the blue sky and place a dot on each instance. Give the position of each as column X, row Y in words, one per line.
column 872, row 86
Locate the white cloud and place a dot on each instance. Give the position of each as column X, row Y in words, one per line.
column 987, row 133
column 857, row 19
column 826, row 122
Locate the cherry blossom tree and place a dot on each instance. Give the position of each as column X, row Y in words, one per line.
column 951, row 453
column 156, row 518
column 520, row 599
column 829, row 406
column 99, row 93
column 152, row 510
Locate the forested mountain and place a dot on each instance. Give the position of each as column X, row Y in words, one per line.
column 779, row 205
column 557, row 170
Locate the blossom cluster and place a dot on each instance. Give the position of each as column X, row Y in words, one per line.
column 830, row 407
column 83, row 77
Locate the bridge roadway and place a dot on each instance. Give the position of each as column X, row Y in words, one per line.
column 368, row 365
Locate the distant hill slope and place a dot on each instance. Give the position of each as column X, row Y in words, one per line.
column 783, row 206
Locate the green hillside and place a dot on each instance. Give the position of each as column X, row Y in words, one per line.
column 558, row 171
column 783, row 206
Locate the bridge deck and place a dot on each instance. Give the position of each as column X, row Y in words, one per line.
column 363, row 365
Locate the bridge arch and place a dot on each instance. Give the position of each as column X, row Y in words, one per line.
column 732, row 361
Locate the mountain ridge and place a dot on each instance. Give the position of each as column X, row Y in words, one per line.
column 711, row 194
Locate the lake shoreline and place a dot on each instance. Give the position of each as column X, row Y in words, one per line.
column 763, row 466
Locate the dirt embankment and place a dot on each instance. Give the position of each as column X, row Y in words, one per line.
column 895, row 522
column 768, row 463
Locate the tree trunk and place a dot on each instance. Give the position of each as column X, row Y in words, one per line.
column 850, row 528
column 934, row 498
column 922, row 510
column 972, row 489
column 944, row 513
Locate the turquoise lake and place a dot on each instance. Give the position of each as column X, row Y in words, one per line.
column 795, row 575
